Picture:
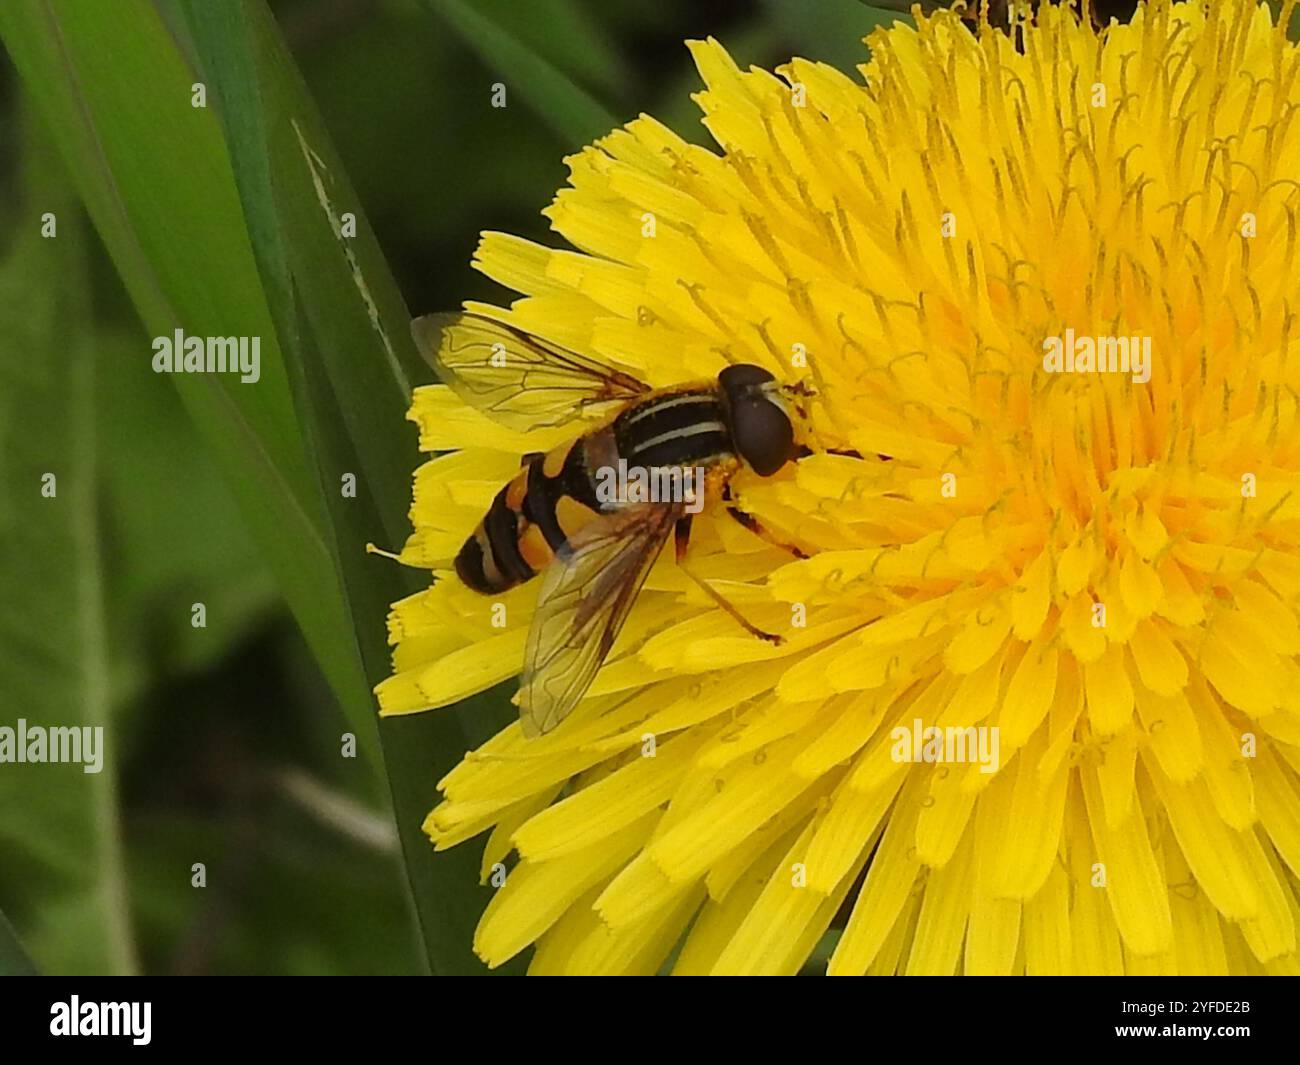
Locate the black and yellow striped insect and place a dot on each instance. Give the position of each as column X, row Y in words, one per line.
column 595, row 550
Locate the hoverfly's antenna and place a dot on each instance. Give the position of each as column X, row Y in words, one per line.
column 799, row 392
column 797, row 395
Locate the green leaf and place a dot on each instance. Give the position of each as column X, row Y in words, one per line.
column 344, row 332
column 832, row 30
column 900, row 6
column 162, row 501
column 13, row 958
column 116, row 93
column 284, row 895
column 562, row 104
column 60, row 833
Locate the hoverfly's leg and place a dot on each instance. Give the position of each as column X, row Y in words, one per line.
column 757, row 527
column 763, row 532
column 682, row 539
column 752, row 629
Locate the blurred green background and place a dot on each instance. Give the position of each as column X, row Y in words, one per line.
column 225, row 741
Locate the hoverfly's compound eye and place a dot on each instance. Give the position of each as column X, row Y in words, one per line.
column 761, row 429
column 741, row 376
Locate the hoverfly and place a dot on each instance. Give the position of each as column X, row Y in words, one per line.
column 593, row 552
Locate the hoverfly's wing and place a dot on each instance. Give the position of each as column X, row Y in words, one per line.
column 584, row 600
column 518, row 379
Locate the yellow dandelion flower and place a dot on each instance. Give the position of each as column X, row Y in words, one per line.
column 1047, row 301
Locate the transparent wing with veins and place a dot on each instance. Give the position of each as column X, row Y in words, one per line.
column 519, row 380
column 584, row 600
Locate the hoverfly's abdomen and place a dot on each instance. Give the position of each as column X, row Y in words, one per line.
column 475, row 567
column 529, row 522
column 492, row 560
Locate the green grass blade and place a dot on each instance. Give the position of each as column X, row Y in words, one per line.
column 563, row 105
column 115, row 91
column 565, row 33
column 295, row 197
column 344, row 332
column 60, row 832
column 418, row 749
